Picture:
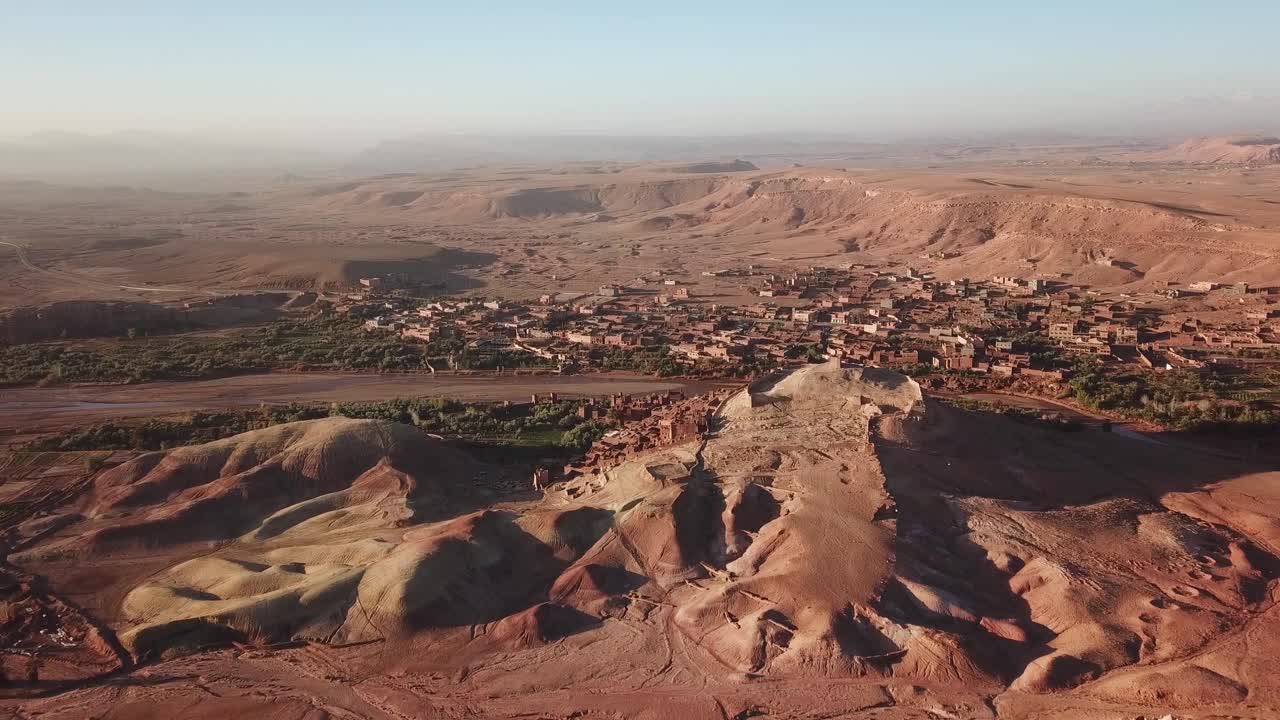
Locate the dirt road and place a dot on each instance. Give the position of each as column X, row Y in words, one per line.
column 69, row 277
column 34, row 408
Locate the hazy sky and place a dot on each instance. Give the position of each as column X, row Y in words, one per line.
column 317, row 69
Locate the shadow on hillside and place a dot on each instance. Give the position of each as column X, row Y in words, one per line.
column 444, row 268
column 952, row 454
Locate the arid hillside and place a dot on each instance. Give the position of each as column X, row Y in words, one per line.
column 975, row 226
column 524, row 231
column 1238, row 150
column 838, row 542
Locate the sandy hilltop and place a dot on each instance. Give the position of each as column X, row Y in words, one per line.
column 835, row 541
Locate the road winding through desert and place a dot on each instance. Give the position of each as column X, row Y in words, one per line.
column 69, row 277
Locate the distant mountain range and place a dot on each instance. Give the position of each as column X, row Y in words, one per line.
column 60, row 153
column 151, row 158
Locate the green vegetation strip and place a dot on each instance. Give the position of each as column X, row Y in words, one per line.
column 322, row 343
column 1178, row 399
column 549, row 426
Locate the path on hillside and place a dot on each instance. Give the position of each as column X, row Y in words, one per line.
column 67, row 277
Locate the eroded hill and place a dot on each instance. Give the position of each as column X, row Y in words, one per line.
column 526, row 231
column 837, row 542
column 972, row 225
column 1233, row 150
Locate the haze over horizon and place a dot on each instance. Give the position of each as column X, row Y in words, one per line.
column 320, row 74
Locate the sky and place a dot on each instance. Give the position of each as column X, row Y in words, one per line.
column 353, row 71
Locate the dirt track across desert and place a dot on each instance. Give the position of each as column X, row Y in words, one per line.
column 70, row 278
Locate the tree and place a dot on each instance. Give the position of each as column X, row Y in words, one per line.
column 581, row 437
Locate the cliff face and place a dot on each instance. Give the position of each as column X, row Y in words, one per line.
column 95, row 318
column 1226, row 151
column 82, row 318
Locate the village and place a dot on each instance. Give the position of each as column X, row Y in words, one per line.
column 1002, row 327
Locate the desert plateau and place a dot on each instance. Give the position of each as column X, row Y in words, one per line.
column 788, row 527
